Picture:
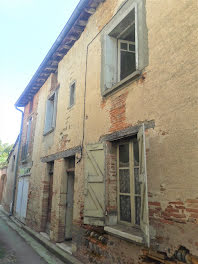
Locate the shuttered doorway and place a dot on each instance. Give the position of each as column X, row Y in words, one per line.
column 22, row 198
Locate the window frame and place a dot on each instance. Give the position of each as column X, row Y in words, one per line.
column 120, row 41
column 132, row 194
column 52, row 126
column 74, row 94
column 109, row 47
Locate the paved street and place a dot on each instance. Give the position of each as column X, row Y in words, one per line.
column 21, row 249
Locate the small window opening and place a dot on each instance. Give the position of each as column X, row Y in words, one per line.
column 72, row 94
column 31, row 106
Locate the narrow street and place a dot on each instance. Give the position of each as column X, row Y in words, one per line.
column 21, row 249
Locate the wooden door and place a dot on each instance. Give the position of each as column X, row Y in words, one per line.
column 49, row 209
column 69, row 205
column 22, row 198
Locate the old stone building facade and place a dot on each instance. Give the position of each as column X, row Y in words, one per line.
column 109, row 148
column 3, row 179
column 9, row 179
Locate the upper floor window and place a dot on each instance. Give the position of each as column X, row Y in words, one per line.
column 124, row 46
column 25, row 146
column 30, row 106
column 50, row 114
column 72, row 89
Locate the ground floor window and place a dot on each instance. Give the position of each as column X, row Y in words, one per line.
column 129, row 194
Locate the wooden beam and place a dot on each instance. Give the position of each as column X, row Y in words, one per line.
column 78, row 29
column 72, row 37
column 90, row 10
column 82, row 22
column 54, row 63
column 65, row 46
column 43, row 74
column 50, row 68
column 59, row 54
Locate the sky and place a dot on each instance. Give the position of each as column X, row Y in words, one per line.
column 28, row 29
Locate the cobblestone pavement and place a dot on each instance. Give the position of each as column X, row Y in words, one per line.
column 21, row 249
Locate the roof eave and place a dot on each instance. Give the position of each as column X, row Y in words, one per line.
column 66, row 39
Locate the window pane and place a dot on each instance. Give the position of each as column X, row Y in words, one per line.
column 123, row 46
column 136, row 152
column 128, row 64
column 124, row 155
column 124, row 181
column 137, row 210
column 125, row 208
column 72, row 93
column 131, row 47
column 137, row 183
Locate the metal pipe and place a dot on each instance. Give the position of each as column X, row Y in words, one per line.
column 17, row 159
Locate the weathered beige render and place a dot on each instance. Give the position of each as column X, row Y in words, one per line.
column 161, row 93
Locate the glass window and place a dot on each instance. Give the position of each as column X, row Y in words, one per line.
column 129, row 188
column 72, row 94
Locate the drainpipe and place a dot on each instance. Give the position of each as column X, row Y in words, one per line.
column 17, row 160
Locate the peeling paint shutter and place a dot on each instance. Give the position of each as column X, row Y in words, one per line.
column 109, row 61
column 94, row 206
column 19, row 197
column 55, row 109
column 22, row 198
column 49, row 115
column 25, row 198
column 144, row 220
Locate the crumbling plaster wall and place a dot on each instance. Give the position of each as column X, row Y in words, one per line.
column 166, row 93
column 8, row 189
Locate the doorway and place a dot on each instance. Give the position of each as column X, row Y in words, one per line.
column 49, row 208
column 69, row 197
column 22, row 198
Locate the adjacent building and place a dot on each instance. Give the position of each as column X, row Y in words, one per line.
column 10, row 179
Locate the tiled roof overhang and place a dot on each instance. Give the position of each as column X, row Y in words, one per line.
column 68, row 36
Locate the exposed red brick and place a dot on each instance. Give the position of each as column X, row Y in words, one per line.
column 179, row 206
column 192, row 205
column 192, row 201
column 194, row 215
column 118, row 113
column 154, row 203
column 192, row 210
column 172, row 210
column 176, row 202
column 178, row 215
column 166, row 221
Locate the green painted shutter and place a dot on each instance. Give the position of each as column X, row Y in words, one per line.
column 109, row 61
column 94, row 205
column 144, row 219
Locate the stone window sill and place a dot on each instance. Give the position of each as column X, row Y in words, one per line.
column 130, row 78
column 127, row 233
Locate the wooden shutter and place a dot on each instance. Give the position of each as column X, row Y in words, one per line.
column 49, row 115
column 94, row 205
column 144, row 220
column 19, row 197
column 25, row 198
column 109, row 61
column 22, row 198
column 55, row 109
column 28, row 131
